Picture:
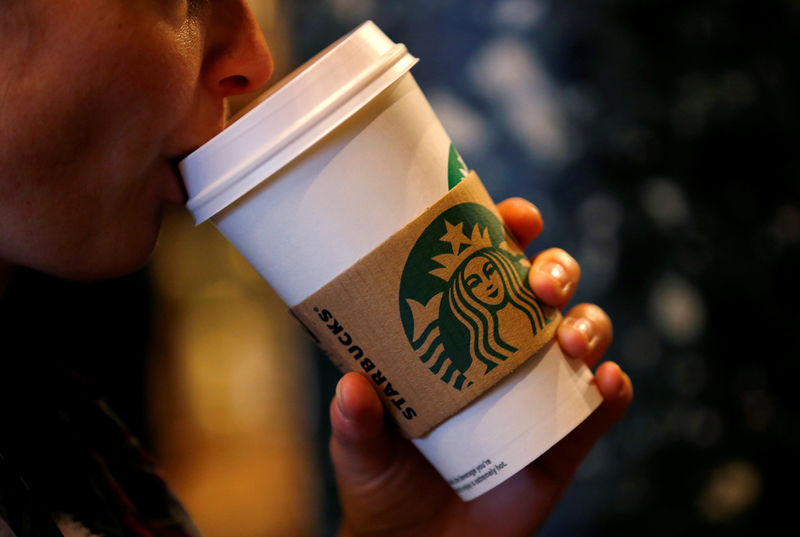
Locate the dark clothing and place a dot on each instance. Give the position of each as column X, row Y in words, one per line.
column 73, row 459
column 66, row 460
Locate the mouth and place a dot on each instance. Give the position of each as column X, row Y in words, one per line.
column 494, row 293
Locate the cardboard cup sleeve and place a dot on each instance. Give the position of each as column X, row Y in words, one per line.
column 437, row 314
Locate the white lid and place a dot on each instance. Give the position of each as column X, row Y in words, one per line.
column 291, row 117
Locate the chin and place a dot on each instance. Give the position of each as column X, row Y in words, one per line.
column 110, row 257
column 104, row 269
column 115, row 268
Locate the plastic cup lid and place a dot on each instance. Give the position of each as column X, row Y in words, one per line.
column 292, row 116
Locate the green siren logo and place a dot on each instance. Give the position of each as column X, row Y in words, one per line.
column 456, row 168
column 464, row 296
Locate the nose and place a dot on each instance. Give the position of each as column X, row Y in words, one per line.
column 237, row 58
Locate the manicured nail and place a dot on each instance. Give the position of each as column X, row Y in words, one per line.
column 559, row 273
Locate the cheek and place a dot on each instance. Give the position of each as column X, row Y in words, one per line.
column 84, row 171
column 151, row 89
column 496, row 280
column 482, row 292
column 154, row 103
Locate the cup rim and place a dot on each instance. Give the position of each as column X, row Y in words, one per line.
column 312, row 100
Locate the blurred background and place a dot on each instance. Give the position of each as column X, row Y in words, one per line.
column 658, row 138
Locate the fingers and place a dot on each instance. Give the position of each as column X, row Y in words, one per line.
column 359, row 445
column 554, row 273
column 617, row 390
column 554, row 276
column 585, row 333
column 616, row 387
column 522, row 218
column 561, row 461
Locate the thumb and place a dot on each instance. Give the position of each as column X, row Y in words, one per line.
column 380, row 474
column 361, row 446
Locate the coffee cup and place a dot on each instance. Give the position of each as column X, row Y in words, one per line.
column 326, row 169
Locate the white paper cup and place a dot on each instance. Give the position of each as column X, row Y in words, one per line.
column 322, row 170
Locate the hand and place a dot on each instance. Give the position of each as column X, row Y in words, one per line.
column 387, row 488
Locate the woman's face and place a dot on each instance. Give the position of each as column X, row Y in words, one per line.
column 98, row 101
column 484, row 282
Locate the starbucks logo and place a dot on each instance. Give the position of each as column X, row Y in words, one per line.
column 456, row 168
column 465, row 302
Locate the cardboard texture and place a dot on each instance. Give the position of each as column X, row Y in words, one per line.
column 437, row 314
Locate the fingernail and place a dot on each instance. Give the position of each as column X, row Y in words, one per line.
column 619, row 385
column 626, row 381
column 339, row 399
column 559, row 273
column 586, row 330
